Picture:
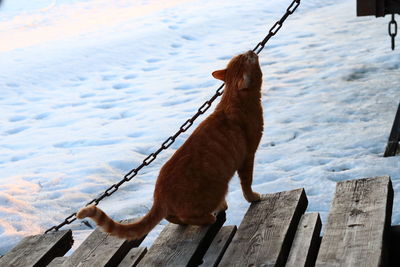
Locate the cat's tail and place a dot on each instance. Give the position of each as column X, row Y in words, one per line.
column 129, row 231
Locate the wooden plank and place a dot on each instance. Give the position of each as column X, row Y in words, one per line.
column 100, row 249
column 38, row 250
column 266, row 233
column 57, row 262
column 179, row 245
column 394, row 138
column 133, row 257
column 305, row 245
column 219, row 245
column 358, row 224
column 108, row 253
column 87, row 246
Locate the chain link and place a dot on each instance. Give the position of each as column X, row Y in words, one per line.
column 277, row 26
column 393, row 30
column 170, row 140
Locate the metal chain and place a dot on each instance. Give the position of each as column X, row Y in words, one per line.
column 393, row 30
column 277, row 26
column 170, row 140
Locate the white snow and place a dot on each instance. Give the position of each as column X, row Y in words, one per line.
column 90, row 87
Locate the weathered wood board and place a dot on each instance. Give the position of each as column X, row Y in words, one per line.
column 274, row 232
column 357, row 224
column 219, row 245
column 56, row 262
column 179, row 245
column 305, row 245
column 133, row 257
column 266, row 233
column 100, row 249
column 38, row 250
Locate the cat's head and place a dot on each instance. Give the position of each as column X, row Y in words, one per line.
column 243, row 72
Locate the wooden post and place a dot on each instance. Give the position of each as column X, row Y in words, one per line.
column 377, row 8
column 371, row 8
column 266, row 233
column 38, row 250
column 358, row 224
column 392, row 6
column 394, row 138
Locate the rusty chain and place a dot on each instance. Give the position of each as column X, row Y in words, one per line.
column 170, row 140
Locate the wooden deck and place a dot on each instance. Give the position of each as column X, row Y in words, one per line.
column 274, row 232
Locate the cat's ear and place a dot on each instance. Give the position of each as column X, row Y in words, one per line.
column 219, row 74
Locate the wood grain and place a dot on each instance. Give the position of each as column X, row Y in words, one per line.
column 266, row 233
column 38, row 250
column 219, row 245
column 100, row 249
column 179, row 245
column 358, row 224
column 306, row 241
column 57, row 262
column 133, row 257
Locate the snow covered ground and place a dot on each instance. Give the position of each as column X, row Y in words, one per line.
column 90, row 87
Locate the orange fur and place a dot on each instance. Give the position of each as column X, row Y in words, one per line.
column 192, row 185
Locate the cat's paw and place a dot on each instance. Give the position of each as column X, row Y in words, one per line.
column 253, row 197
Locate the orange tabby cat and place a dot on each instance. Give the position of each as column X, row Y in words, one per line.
column 192, row 185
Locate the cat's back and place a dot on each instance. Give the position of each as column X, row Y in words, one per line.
column 216, row 143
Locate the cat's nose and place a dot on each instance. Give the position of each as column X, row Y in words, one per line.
column 251, row 57
column 251, row 53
